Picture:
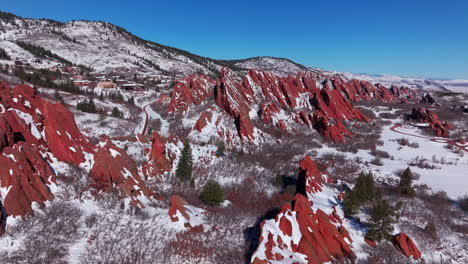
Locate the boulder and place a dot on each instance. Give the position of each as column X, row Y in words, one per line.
column 115, row 169
column 425, row 115
column 406, row 245
column 184, row 214
column 25, row 177
column 203, row 120
column 64, row 139
column 158, row 162
column 301, row 233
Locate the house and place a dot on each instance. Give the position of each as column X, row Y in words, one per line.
column 133, row 87
column 106, row 85
column 82, row 83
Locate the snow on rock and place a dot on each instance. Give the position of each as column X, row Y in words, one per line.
column 158, row 159
column 113, row 168
column 68, row 146
column 304, row 233
column 406, row 245
column 425, row 115
column 319, row 101
column 184, row 214
column 25, row 177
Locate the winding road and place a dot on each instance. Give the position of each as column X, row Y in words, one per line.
column 145, row 126
column 452, row 142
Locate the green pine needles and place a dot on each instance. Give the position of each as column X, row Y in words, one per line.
column 406, row 182
column 212, row 194
column 184, row 167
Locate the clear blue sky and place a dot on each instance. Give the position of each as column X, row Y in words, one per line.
column 411, row 37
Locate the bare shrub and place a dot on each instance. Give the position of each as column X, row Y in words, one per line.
column 385, row 253
column 338, row 166
column 406, row 142
column 48, row 235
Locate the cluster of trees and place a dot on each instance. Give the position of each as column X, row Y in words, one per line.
column 4, row 54
column 116, row 113
column 87, row 106
column 40, row 52
column 382, row 214
column 212, row 193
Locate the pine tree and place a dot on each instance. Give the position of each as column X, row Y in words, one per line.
column 382, row 217
column 184, row 167
column 406, row 181
column 365, row 190
column 116, row 113
column 213, row 193
column 221, row 149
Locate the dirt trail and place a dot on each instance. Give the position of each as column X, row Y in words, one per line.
column 455, row 143
column 145, row 127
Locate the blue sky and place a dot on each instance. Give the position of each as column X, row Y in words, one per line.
column 410, row 38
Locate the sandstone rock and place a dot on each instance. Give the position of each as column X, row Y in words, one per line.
column 25, row 178
column 301, row 233
column 193, row 90
column 406, row 245
column 158, row 162
column 205, row 117
column 113, row 168
column 427, row 116
column 184, row 214
column 328, row 105
column 63, row 136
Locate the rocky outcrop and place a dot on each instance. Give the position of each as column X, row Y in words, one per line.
column 428, row 99
column 302, row 233
column 203, row 120
column 113, row 168
column 425, row 115
column 191, row 91
column 319, row 101
column 182, row 213
column 63, row 136
column 158, row 161
column 406, row 245
column 25, row 177
column 33, row 132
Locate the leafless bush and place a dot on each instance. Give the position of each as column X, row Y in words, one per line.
column 422, row 163
column 377, row 162
column 338, row 166
column 380, row 154
column 385, row 253
column 48, row 235
column 406, row 142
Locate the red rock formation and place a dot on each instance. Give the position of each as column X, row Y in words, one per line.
column 63, row 136
column 425, row 115
column 25, row 177
column 330, row 104
column 205, row 117
column 406, row 245
column 193, row 90
column 246, row 127
column 158, row 161
column 301, row 233
column 180, row 211
column 178, row 205
column 113, row 168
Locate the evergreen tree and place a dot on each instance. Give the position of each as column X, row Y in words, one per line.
column 213, row 193
column 382, row 217
column 221, row 149
column 116, row 113
column 365, row 190
column 184, row 167
column 406, row 181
